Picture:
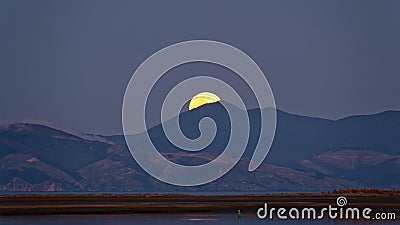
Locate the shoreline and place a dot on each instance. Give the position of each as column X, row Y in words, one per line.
column 63, row 204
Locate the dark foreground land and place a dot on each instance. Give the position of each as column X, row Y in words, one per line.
column 34, row 204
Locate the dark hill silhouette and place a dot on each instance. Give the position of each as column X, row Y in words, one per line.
column 308, row 154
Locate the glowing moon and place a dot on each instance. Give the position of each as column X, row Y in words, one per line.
column 202, row 99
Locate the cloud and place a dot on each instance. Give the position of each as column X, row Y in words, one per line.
column 69, row 130
column 93, row 137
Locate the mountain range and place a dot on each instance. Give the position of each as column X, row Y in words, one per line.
column 308, row 154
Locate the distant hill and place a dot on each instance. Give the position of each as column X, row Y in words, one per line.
column 308, row 154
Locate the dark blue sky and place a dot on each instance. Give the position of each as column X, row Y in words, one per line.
column 68, row 62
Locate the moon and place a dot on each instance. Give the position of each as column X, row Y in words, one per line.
column 202, row 99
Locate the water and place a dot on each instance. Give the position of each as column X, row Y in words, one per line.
column 164, row 219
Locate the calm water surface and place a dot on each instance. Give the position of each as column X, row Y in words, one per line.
column 155, row 219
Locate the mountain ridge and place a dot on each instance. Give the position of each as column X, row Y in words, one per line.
column 308, row 154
